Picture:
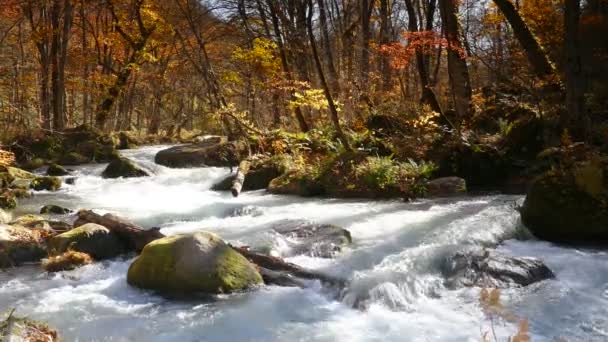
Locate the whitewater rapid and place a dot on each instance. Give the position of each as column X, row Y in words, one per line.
column 393, row 267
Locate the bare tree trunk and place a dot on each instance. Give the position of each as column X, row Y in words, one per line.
column 536, row 55
column 331, row 69
column 385, row 24
column 365, row 16
column 457, row 64
column 277, row 31
column 428, row 96
column 574, row 117
column 332, row 106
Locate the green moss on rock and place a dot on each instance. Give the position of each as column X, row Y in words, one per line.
column 7, row 202
column 569, row 205
column 56, row 170
column 189, row 263
column 90, row 238
column 48, row 183
column 123, row 167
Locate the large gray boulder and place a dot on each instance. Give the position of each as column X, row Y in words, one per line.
column 93, row 239
column 191, row 263
column 569, row 205
column 484, row 268
column 123, row 167
column 203, row 154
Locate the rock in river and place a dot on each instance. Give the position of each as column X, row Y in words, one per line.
column 190, row 263
column 90, row 238
column 202, row 154
column 486, row 268
column 123, row 167
column 19, row 245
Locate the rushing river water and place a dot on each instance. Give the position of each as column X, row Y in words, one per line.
column 394, row 264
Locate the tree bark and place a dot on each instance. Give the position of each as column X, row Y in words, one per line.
column 574, row 118
column 332, row 106
column 277, row 31
column 457, row 66
column 536, row 55
column 428, row 95
column 331, row 69
column 241, row 172
column 135, row 236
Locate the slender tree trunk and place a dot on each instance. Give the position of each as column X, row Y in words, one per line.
column 332, row 106
column 277, row 31
column 574, row 117
column 428, row 96
column 365, row 14
column 536, row 55
column 331, row 69
column 385, row 24
column 457, row 64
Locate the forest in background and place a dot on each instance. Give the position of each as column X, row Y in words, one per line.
column 217, row 66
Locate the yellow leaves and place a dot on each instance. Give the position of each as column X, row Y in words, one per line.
column 310, row 98
column 261, row 58
column 489, row 299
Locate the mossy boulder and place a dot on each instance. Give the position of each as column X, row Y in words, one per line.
column 54, row 209
column 123, row 167
column 446, row 187
column 7, row 202
column 569, row 204
column 124, row 140
column 56, row 170
column 73, row 158
column 190, row 263
column 19, row 245
column 15, row 328
column 296, row 183
column 34, row 164
column 48, row 183
column 261, row 173
column 10, row 174
column 203, row 154
column 93, row 239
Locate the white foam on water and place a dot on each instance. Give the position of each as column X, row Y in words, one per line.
column 395, row 293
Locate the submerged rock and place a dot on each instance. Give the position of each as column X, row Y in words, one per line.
column 93, row 239
column 21, row 329
column 569, row 205
column 54, row 209
column 485, row 268
column 261, row 173
column 56, row 170
column 46, row 183
column 188, row 263
column 19, row 245
column 123, row 167
column 203, row 154
column 306, row 238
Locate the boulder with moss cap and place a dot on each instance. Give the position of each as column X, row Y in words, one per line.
column 93, row 239
column 192, row 263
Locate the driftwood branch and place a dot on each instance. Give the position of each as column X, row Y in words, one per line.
column 135, row 236
column 288, row 269
column 241, row 172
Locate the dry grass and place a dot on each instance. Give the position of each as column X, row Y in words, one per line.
column 6, row 158
column 489, row 299
column 66, row 261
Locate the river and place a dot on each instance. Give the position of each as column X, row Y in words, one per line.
column 394, row 264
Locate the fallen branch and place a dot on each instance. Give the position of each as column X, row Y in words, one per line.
column 135, row 236
column 280, row 265
column 241, row 172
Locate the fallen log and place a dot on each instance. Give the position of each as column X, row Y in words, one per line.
column 135, row 236
column 282, row 269
column 241, row 172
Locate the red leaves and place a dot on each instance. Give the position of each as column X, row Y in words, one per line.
column 427, row 42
